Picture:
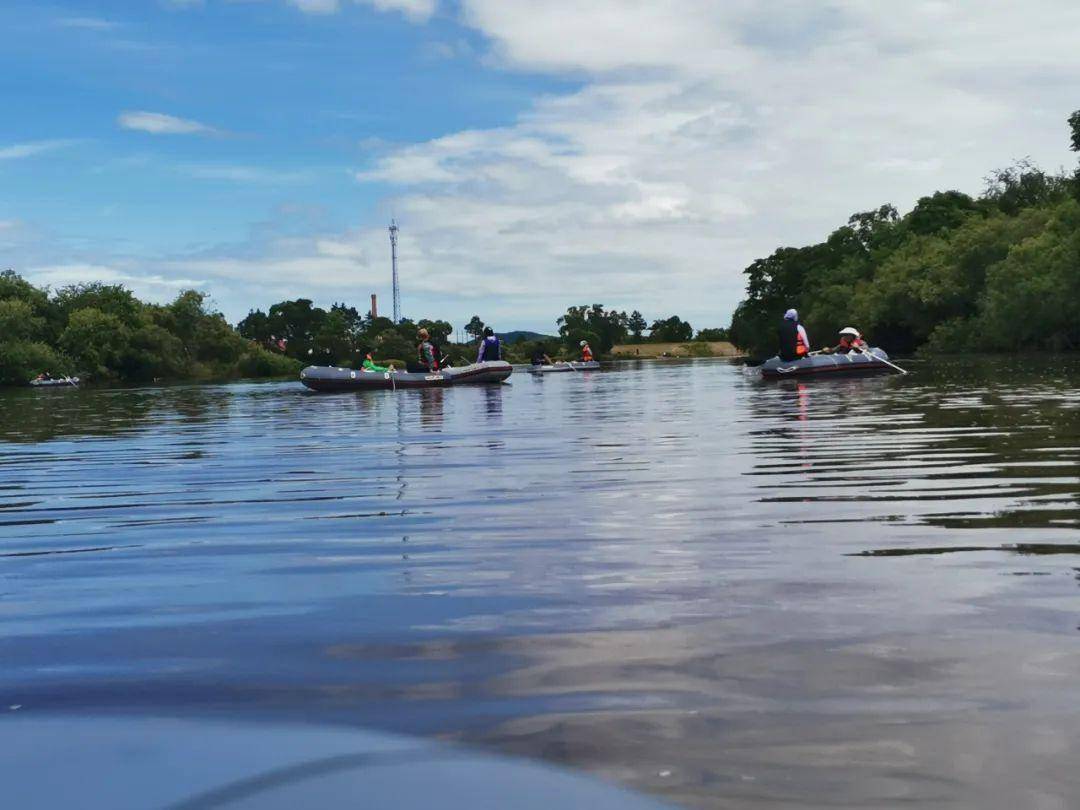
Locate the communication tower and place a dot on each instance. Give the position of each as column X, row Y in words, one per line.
column 393, row 266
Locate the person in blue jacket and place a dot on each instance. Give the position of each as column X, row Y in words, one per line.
column 489, row 347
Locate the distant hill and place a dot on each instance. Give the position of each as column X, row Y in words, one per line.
column 522, row 335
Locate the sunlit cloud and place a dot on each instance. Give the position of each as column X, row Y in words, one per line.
column 161, row 124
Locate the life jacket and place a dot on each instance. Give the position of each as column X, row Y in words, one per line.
column 586, row 354
column 801, row 349
column 490, row 350
column 790, row 340
column 427, row 356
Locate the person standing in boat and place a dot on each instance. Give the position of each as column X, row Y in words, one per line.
column 850, row 341
column 586, row 352
column 490, row 349
column 794, row 342
column 429, row 358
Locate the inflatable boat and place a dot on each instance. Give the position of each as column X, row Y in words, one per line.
column 564, row 366
column 55, row 382
column 827, row 365
column 330, row 378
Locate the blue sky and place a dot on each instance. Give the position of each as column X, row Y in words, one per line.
column 536, row 154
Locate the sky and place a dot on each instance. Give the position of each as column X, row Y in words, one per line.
column 536, row 154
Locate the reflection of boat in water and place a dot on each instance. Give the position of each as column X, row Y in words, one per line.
column 827, row 365
column 54, row 382
column 330, row 378
column 134, row 762
column 564, row 366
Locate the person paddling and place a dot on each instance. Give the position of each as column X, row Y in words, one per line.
column 794, row 342
column 540, row 358
column 850, row 341
column 490, row 348
column 426, row 352
column 586, row 352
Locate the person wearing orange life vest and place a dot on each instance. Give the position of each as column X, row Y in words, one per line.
column 794, row 342
column 586, row 352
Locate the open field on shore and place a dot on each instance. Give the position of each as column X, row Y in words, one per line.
column 714, row 348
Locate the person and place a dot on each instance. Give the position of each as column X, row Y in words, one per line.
column 43, row 376
column 490, row 349
column 850, row 341
column 370, row 365
column 426, row 352
column 794, row 342
column 586, row 352
column 540, row 358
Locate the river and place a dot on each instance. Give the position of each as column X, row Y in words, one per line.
column 729, row 594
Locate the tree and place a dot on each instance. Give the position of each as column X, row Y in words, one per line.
column 719, row 334
column 475, row 327
column 112, row 299
column 601, row 328
column 637, row 324
column 440, row 331
column 1074, row 131
column 96, row 341
column 670, row 330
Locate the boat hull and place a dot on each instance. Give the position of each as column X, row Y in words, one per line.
column 826, row 365
column 562, row 368
column 331, row 378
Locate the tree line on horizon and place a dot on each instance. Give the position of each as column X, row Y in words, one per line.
column 995, row 273
column 102, row 332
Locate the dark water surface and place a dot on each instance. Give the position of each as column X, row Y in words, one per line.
column 731, row 594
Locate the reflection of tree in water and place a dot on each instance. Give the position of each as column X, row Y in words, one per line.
column 38, row 416
column 959, row 444
column 431, row 408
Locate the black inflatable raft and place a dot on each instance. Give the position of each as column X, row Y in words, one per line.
column 826, row 365
column 329, row 378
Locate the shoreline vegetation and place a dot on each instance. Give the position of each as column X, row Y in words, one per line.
column 994, row 273
column 103, row 334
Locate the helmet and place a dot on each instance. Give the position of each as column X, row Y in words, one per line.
column 850, row 330
column 791, row 315
column 584, row 343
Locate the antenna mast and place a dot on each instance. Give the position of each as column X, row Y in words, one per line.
column 393, row 265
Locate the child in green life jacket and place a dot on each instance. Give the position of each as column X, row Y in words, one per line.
column 369, row 365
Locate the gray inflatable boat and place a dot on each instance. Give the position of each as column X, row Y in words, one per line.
column 564, row 366
column 826, row 365
column 330, row 378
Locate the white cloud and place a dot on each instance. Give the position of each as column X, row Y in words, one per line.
column 18, row 151
column 149, row 286
column 417, row 10
column 87, row 23
column 162, row 124
column 243, row 174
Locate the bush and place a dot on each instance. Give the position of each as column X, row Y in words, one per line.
column 257, row 362
column 21, row 361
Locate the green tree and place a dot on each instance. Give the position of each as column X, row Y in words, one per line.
column 670, row 330
column 18, row 321
column 96, row 341
column 602, row 328
column 111, row 299
column 475, row 327
column 636, row 324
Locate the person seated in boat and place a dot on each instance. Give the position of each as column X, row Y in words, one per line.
column 490, row 349
column 540, row 358
column 586, row 352
column 426, row 353
column 794, row 342
column 43, row 377
column 370, row 365
column 850, row 341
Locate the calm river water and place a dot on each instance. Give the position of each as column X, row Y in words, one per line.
column 730, row 594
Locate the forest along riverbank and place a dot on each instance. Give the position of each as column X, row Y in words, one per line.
column 724, row 592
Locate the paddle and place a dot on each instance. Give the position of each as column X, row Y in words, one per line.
column 872, row 356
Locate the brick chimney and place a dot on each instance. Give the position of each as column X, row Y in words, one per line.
column 374, row 307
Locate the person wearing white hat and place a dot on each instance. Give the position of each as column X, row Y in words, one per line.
column 851, row 340
column 586, row 352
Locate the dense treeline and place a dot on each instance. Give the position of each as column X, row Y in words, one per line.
column 1000, row 272
column 102, row 332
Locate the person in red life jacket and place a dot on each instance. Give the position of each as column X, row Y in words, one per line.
column 586, row 352
column 426, row 353
column 490, row 348
column 850, row 341
column 794, row 342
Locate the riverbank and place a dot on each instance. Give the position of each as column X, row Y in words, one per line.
column 696, row 348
